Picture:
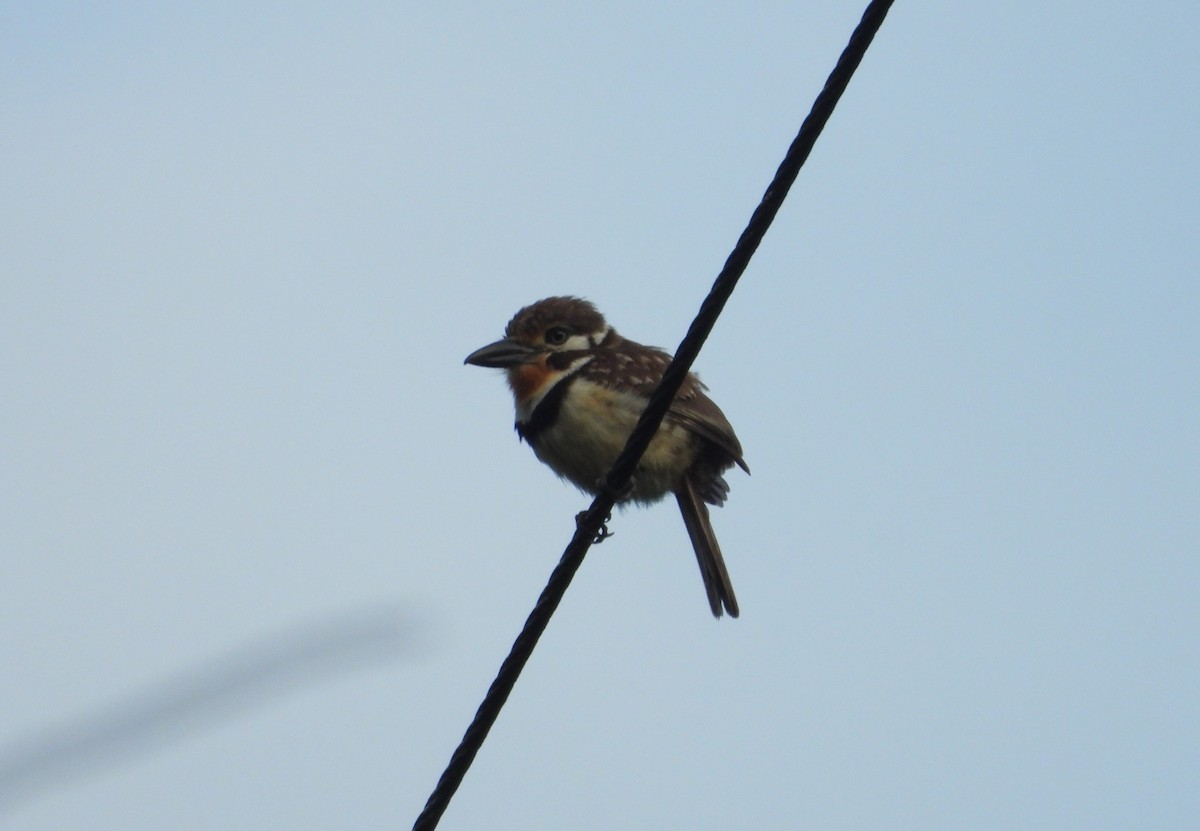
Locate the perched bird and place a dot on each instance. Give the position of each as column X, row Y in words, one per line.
column 580, row 388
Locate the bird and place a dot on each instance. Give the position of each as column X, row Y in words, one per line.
column 579, row 389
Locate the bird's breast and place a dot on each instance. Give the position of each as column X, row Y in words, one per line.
column 590, row 429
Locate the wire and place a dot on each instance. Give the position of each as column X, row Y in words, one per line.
column 590, row 523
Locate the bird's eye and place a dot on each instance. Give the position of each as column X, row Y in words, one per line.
column 556, row 335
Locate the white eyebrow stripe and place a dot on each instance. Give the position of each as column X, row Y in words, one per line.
column 576, row 343
column 598, row 338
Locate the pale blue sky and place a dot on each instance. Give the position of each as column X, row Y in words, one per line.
column 244, row 250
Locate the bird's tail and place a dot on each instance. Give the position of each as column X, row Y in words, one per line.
column 708, row 552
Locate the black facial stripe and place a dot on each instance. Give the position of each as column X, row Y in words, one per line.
column 546, row 412
column 563, row 360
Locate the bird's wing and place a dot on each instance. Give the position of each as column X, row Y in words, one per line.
column 636, row 368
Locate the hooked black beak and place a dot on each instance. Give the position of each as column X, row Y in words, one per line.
column 502, row 354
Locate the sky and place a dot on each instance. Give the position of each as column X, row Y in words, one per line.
column 264, row 540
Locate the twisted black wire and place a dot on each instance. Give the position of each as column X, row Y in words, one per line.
column 589, row 523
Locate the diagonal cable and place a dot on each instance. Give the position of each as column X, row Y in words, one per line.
column 589, row 523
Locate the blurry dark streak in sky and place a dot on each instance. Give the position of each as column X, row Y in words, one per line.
column 251, row 676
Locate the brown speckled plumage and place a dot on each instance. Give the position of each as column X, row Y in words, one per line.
column 579, row 389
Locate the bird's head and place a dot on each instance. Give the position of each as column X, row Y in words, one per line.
column 557, row 327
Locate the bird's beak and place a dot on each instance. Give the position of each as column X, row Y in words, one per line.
column 502, row 354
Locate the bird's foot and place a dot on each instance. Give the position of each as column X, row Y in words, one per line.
column 602, row 533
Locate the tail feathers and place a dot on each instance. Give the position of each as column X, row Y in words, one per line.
column 708, row 552
column 715, row 491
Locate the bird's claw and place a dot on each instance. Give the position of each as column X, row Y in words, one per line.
column 602, row 533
